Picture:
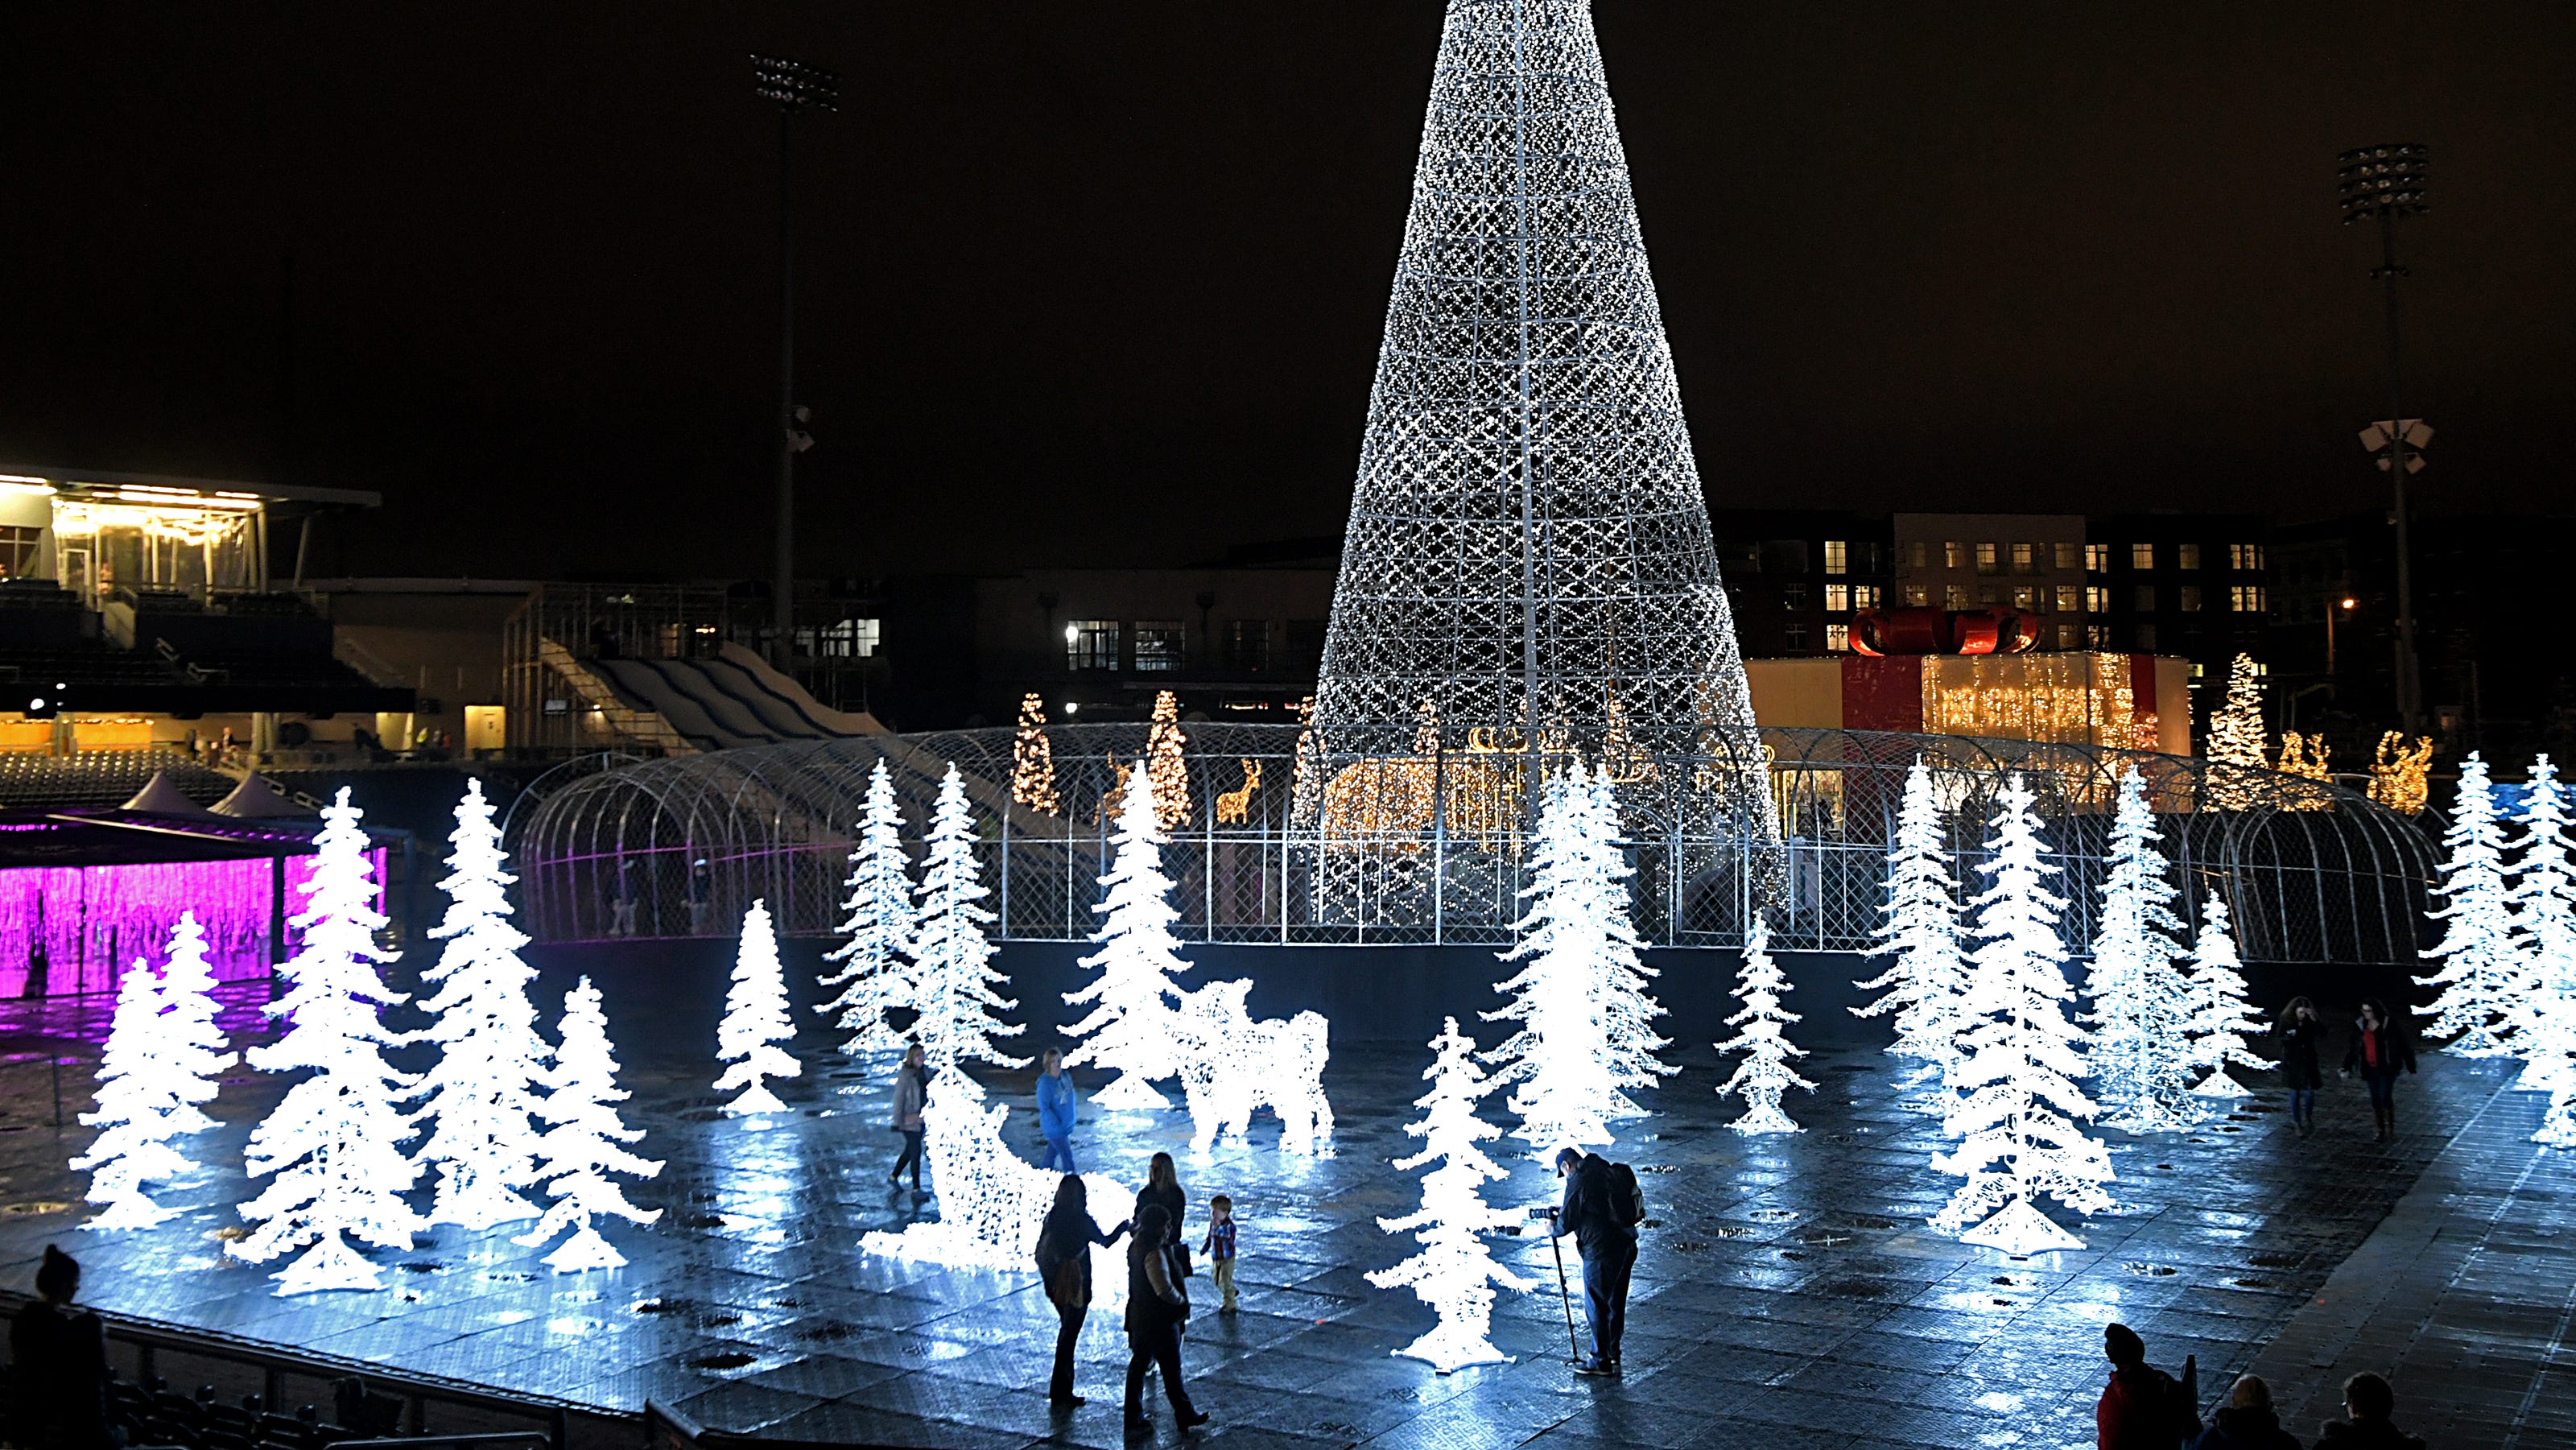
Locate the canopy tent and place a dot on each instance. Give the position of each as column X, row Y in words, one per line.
column 161, row 796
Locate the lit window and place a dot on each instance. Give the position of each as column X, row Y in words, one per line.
column 18, row 549
column 1837, row 596
column 1990, row 559
column 1837, row 637
column 1159, row 645
column 2146, row 599
column 1865, row 596
column 2066, row 636
column 2068, row 556
column 2190, row 598
column 1793, row 595
column 2066, row 594
column 1091, row 644
column 2198, row 670
column 2245, row 558
column 1915, row 552
column 2025, row 558
column 1954, row 556
column 2187, row 556
column 2025, row 596
column 851, row 639
column 1955, row 596
column 1837, row 556
column 1918, row 596
column 2142, row 556
column 1796, row 635
column 2097, row 558
column 2097, row 598
column 2246, row 598
column 2097, row 636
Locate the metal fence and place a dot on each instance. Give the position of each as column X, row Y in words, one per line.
column 680, row 846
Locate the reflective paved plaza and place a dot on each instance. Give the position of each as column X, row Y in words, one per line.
column 1787, row 1295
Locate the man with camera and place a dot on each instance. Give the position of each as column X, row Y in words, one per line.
column 1601, row 1210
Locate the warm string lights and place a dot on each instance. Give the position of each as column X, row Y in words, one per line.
column 1165, row 768
column 1032, row 761
column 2237, row 767
column 2401, row 774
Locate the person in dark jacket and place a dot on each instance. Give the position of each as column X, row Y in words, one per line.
column 1064, row 1267
column 1057, row 1108
column 1162, row 1190
column 2144, row 1408
column 1158, row 1305
column 58, row 1361
column 1609, row 1250
column 2297, row 1040
column 2379, row 1048
column 2370, row 1404
column 911, row 1094
column 2246, row 1421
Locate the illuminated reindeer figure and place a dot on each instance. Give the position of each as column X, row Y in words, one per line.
column 1233, row 807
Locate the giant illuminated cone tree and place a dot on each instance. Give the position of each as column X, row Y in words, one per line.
column 1528, row 547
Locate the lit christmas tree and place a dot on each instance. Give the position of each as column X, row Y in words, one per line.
column 192, row 1049
column 2481, row 967
column 952, row 974
column 2143, row 1011
column 137, row 1101
column 1765, row 1072
column 2223, row 1017
column 2542, row 1019
column 583, row 1142
column 1580, row 976
column 2236, row 756
column 873, row 978
column 335, row 1140
column 1454, row 1273
column 755, row 1020
column 1133, row 1028
column 1032, row 760
column 483, row 1090
column 2018, row 1105
column 1921, row 931
column 1164, row 767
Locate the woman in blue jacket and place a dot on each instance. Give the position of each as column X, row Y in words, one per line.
column 1056, row 1107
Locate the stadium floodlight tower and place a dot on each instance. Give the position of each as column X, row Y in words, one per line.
column 1527, row 569
column 794, row 87
column 2386, row 183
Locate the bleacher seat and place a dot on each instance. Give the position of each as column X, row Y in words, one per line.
column 101, row 778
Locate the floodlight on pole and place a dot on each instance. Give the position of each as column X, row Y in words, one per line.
column 794, row 87
column 2386, row 183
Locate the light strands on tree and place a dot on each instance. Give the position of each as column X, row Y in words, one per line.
column 189, row 1044
column 1764, row 1074
column 1232, row 1066
column 584, row 1143
column 1920, row 930
column 2542, row 1017
column 2224, row 1021
column 874, row 978
column 482, row 1092
column 2018, row 1108
column 1165, row 767
column 952, row 974
column 137, row 1104
column 755, row 1021
column 2481, row 966
column 334, row 1142
column 1032, row 759
column 2144, row 1013
column 1454, row 1273
column 2236, row 757
column 1133, row 1025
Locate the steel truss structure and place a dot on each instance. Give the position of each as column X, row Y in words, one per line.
column 1528, row 561
column 2316, row 873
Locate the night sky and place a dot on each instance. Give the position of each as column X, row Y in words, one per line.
column 1102, row 282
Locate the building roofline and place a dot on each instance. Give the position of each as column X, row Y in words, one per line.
column 62, row 477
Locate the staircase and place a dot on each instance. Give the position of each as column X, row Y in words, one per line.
column 640, row 727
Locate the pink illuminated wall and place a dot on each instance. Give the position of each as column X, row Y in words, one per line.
column 95, row 920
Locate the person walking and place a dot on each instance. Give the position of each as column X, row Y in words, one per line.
column 2144, row 1408
column 2379, row 1049
column 1064, row 1267
column 58, row 1358
column 1158, row 1305
column 2370, row 1405
column 911, row 1091
column 1607, row 1243
column 2246, row 1421
column 1057, row 1109
column 2298, row 1040
column 1163, row 1190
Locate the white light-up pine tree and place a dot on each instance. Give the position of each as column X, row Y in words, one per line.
column 1454, row 1273
column 1579, row 959
column 756, row 1020
column 2143, row 1012
column 1628, row 1010
column 334, row 1142
column 874, row 978
column 2481, row 967
column 2018, row 1107
column 191, row 1047
column 2224, row 1021
column 1920, row 929
column 2236, row 755
column 1765, row 1073
column 952, row 973
column 584, row 1142
column 2542, row 1018
column 1134, row 1027
column 482, row 1092
column 137, row 1106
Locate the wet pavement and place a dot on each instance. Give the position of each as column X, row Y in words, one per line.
column 1788, row 1293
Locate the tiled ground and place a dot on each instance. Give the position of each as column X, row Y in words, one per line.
column 1788, row 1295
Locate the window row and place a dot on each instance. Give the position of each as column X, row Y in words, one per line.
column 2243, row 558
column 1250, row 646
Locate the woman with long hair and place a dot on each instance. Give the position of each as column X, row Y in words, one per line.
column 1163, row 1190
column 2298, row 1040
column 1064, row 1267
column 1157, row 1306
column 2379, row 1048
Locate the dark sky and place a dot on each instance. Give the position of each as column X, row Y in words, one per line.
column 1102, row 282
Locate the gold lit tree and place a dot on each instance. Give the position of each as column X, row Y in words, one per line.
column 1164, row 768
column 1032, row 762
column 2236, row 752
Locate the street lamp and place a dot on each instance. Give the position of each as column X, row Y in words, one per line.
column 793, row 87
column 2386, row 182
column 2340, row 606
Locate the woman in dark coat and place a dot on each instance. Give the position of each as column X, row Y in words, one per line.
column 1163, row 1190
column 2379, row 1048
column 58, row 1361
column 1157, row 1306
column 2297, row 1040
column 1064, row 1267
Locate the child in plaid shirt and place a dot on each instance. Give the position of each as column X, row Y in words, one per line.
column 1219, row 1248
